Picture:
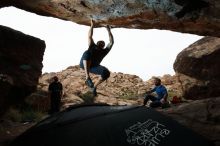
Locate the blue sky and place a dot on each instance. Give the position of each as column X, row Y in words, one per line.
column 145, row 53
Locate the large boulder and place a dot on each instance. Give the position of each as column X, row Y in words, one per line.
column 202, row 116
column 117, row 90
column 197, row 69
column 21, row 59
column 196, row 16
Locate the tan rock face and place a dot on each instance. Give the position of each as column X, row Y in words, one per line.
column 197, row 68
column 21, row 59
column 115, row 91
column 199, row 17
column 119, row 89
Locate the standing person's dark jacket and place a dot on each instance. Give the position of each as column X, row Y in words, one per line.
column 55, row 89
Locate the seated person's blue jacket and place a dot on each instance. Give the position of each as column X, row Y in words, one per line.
column 160, row 90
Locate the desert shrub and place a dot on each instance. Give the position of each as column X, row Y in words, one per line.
column 13, row 115
column 31, row 116
column 87, row 97
column 23, row 113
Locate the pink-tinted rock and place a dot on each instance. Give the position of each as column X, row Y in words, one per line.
column 201, row 19
column 197, row 69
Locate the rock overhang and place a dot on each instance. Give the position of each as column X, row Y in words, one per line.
column 198, row 17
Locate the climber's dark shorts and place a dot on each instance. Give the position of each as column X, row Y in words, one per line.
column 99, row 70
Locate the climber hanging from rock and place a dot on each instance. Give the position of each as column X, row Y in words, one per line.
column 91, row 59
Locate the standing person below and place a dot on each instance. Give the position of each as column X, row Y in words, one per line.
column 92, row 58
column 55, row 93
column 161, row 92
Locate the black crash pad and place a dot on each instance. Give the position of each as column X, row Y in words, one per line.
column 103, row 125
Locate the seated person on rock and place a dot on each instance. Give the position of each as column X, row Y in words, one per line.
column 161, row 92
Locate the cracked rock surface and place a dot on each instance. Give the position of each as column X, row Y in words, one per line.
column 197, row 17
